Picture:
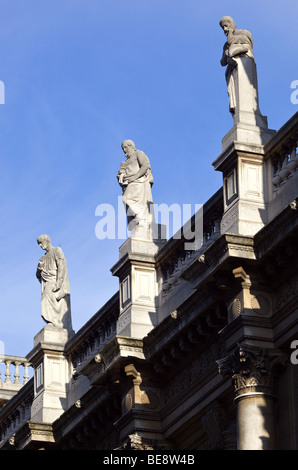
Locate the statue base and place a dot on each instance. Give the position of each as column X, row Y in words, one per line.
column 244, row 188
column 138, row 283
column 51, row 374
column 247, row 134
column 52, row 334
column 144, row 240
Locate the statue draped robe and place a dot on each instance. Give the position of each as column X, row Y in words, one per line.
column 52, row 270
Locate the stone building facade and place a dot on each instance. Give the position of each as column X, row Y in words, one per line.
column 197, row 349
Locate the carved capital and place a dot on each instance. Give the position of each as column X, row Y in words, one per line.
column 252, row 369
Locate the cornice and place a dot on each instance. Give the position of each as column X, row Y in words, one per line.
column 226, row 247
column 115, row 352
column 283, row 226
column 281, row 137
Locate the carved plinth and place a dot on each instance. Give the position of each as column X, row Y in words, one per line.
column 138, row 286
column 245, row 188
column 144, row 241
column 53, row 335
column 138, row 297
column 51, row 374
column 247, row 134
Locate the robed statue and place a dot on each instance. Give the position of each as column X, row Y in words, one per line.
column 55, row 294
column 135, row 179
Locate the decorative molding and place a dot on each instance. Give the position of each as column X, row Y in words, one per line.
column 141, row 395
column 236, row 307
column 214, row 422
column 287, row 293
column 192, row 373
column 260, row 304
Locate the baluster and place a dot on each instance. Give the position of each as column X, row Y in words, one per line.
column 165, row 284
column 276, row 180
column 26, row 372
column 284, row 172
column 17, row 373
column 7, row 373
column 292, row 165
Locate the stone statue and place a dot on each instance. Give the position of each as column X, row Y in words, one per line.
column 241, row 73
column 135, row 179
column 52, row 274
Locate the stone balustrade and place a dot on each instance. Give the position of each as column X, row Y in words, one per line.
column 281, row 160
column 14, row 372
column 285, row 164
column 15, row 412
column 282, row 153
column 96, row 333
column 173, row 263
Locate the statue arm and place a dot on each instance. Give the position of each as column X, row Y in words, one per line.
column 144, row 167
column 121, row 174
column 38, row 274
column 239, row 49
column 39, row 269
column 242, row 43
column 225, row 55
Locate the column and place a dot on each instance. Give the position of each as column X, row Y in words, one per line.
column 253, row 371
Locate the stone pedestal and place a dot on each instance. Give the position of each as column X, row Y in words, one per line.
column 245, row 188
column 245, row 179
column 51, row 374
column 247, row 134
column 138, row 285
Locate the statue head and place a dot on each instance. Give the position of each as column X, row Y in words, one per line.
column 228, row 25
column 44, row 241
column 128, row 147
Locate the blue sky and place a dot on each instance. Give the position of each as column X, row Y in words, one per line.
column 81, row 76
